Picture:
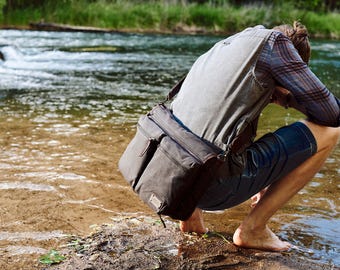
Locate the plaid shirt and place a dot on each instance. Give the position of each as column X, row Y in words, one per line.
column 281, row 61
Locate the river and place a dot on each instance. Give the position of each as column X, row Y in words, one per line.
column 68, row 105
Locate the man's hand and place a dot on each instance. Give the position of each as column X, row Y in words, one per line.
column 281, row 96
column 285, row 98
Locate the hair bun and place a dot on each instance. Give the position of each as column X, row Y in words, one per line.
column 298, row 35
column 299, row 30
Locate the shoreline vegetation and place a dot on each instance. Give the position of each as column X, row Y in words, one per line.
column 167, row 16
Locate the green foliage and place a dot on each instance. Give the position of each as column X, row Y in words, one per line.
column 172, row 14
column 52, row 257
column 215, row 15
column 314, row 5
column 2, row 4
column 202, row 15
column 327, row 24
column 23, row 18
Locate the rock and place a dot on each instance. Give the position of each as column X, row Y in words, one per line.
column 143, row 243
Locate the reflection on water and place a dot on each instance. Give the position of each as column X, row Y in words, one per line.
column 68, row 102
column 304, row 231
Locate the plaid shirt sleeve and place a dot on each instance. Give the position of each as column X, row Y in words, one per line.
column 289, row 70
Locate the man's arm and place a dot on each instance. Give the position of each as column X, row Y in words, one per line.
column 308, row 94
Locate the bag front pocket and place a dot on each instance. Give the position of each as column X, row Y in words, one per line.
column 168, row 177
column 140, row 150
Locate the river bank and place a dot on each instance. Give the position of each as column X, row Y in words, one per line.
column 51, row 26
column 171, row 17
column 141, row 242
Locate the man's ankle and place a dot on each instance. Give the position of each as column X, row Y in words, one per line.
column 251, row 225
column 194, row 224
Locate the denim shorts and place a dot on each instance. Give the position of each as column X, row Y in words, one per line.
column 268, row 159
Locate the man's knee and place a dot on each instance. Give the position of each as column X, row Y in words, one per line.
column 334, row 135
column 326, row 137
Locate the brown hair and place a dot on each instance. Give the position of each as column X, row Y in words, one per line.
column 298, row 34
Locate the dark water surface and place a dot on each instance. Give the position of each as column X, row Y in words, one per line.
column 77, row 92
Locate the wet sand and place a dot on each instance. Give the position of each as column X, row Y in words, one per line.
column 60, row 178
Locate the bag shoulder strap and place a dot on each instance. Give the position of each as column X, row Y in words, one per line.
column 222, row 156
column 173, row 92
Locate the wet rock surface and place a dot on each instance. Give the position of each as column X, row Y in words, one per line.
column 143, row 243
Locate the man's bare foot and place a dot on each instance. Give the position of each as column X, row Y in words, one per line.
column 260, row 239
column 194, row 223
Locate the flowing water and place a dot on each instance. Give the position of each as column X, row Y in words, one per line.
column 68, row 105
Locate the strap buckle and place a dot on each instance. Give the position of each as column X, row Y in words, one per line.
column 223, row 156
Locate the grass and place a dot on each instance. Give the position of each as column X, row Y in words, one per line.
column 163, row 16
column 327, row 25
column 2, row 3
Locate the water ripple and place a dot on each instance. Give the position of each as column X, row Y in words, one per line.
column 26, row 185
